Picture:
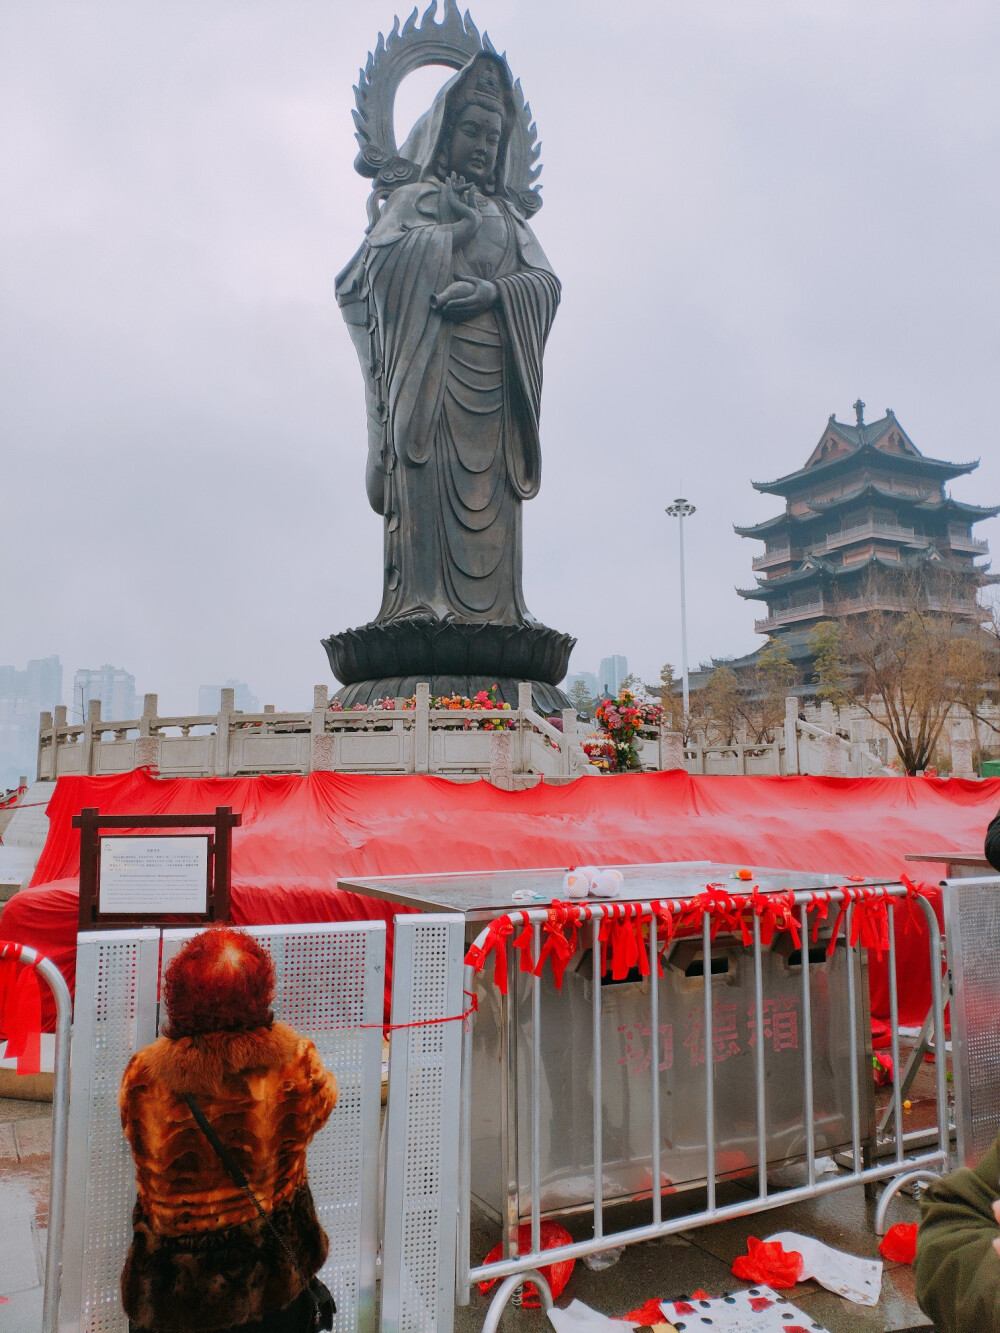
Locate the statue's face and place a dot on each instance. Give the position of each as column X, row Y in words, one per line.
column 475, row 143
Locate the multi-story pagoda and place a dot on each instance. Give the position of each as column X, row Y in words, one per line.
column 866, row 507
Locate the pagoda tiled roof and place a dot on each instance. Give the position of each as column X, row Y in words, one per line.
column 926, row 503
column 815, row 567
column 768, row 525
column 863, row 439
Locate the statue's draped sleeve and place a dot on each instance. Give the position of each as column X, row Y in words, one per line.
column 387, row 290
column 528, row 300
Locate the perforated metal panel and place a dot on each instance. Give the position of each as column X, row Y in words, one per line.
column 421, row 1190
column 972, row 926
column 330, row 982
column 114, row 1014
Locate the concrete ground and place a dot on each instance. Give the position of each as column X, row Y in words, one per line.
column 668, row 1268
column 25, row 1141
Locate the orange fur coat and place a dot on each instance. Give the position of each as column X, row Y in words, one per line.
column 201, row 1258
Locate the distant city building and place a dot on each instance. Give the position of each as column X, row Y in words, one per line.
column 23, row 696
column 611, row 673
column 867, row 503
column 114, row 686
column 210, row 697
column 589, row 681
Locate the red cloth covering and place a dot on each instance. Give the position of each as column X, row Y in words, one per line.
column 899, row 1244
column 300, row 834
column 767, row 1262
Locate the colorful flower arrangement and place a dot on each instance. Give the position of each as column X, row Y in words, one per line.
column 485, row 701
column 621, row 719
column 337, row 707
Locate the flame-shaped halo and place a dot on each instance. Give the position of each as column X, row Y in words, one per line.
column 452, row 42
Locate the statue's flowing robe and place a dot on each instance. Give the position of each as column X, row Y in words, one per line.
column 453, row 407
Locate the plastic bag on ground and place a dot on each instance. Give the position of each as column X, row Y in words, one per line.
column 597, row 1263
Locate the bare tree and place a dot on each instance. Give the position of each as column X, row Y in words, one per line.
column 722, row 707
column 666, row 693
column 897, row 658
column 764, row 699
column 582, row 700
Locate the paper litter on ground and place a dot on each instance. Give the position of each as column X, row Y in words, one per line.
column 759, row 1310
column 580, row 1318
column 857, row 1280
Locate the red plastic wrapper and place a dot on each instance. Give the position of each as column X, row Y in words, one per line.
column 899, row 1244
column 557, row 1275
column 882, row 1067
column 650, row 1312
column 769, row 1263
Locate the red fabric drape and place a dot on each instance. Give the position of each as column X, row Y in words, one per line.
column 300, row 834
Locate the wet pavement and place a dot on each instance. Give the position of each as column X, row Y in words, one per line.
column 25, row 1142
column 672, row 1267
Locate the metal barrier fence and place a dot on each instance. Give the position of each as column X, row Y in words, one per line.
column 972, row 926
column 864, row 1166
column 422, row 1125
column 60, row 1127
column 330, row 988
column 114, row 1015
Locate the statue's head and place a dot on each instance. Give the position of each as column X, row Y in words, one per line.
column 475, row 129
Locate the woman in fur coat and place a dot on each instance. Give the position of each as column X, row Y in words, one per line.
column 202, row 1260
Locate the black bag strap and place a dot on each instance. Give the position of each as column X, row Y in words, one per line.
column 239, row 1179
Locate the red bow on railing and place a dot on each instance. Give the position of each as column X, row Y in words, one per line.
column 496, row 943
column 665, row 927
column 522, row 943
column 20, row 1010
column 558, row 946
column 776, row 911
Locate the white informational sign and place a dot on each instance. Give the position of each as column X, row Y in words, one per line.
column 153, row 876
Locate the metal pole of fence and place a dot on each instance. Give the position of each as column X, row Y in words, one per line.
column 654, row 1036
column 851, row 955
column 937, row 1003
column 807, row 1047
column 758, row 1004
column 706, row 953
column 60, row 1127
column 897, row 1095
column 598, row 971
column 464, row 1229
column 536, row 1093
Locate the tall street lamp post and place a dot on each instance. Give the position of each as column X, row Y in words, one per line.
column 682, row 509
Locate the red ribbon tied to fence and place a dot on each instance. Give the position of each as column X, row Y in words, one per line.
column 20, row 1010
column 495, row 943
column 557, row 945
column 623, row 940
column 522, row 943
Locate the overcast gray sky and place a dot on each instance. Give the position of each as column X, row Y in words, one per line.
column 759, row 210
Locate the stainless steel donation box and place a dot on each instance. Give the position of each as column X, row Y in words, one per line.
column 630, row 1041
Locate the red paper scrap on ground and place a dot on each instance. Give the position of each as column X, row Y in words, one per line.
column 899, row 1244
column 770, row 1263
column 650, row 1312
column 301, row 833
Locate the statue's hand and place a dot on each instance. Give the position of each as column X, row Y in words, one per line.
column 464, row 216
column 464, row 298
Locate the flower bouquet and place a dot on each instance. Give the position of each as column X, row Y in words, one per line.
column 621, row 719
column 486, row 701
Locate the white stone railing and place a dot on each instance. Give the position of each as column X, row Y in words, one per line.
column 456, row 743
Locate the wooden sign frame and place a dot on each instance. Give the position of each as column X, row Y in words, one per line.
column 90, row 822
